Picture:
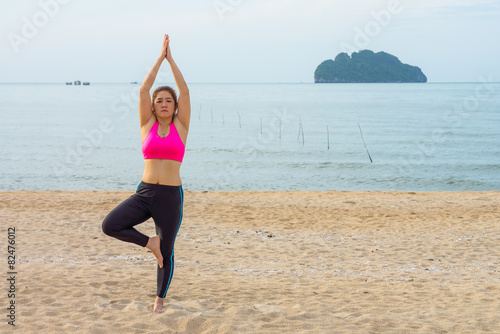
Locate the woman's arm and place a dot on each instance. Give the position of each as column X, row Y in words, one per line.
column 145, row 111
column 184, row 103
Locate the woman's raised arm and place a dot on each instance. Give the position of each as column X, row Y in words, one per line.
column 184, row 103
column 145, row 111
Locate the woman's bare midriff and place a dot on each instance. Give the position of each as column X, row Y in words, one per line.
column 162, row 171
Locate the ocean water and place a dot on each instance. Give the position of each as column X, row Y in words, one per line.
column 418, row 137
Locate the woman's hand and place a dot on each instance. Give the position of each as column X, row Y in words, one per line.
column 169, row 54
column 165, row 50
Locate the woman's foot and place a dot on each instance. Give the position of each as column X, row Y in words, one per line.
column 158, row 307
column 154, row 246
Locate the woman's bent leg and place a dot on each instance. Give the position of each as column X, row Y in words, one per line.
column 121, row 220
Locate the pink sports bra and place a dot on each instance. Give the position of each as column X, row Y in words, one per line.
column 171, row 147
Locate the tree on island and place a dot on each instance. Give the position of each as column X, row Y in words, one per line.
column 367, row 66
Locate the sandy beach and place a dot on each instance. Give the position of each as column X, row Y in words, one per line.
column 260, row 262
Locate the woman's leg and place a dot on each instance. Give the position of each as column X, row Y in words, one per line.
column 121, row 220
column 167, row 214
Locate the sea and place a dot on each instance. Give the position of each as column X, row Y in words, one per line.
column 259, row 137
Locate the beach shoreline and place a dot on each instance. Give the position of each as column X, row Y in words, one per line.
column 262, row 261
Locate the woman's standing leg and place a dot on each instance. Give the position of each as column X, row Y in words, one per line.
column 167, row 214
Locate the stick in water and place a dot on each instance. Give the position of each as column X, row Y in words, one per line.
column 280, row 127
column 361, row 132
column 302, row 128
column 328, row 137
column 301, row 131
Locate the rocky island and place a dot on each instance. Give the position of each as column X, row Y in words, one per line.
column 367, row 66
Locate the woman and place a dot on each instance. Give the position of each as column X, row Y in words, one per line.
column 159, row 195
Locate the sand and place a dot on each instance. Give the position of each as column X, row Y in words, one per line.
column 261, row 262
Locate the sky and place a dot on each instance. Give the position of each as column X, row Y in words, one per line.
column 243, row 41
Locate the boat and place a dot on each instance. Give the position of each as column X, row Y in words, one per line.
column 78, row 82
column 69, row 83
column 86, row 83
column 133, row 83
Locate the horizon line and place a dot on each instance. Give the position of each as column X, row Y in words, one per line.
column 239, row 83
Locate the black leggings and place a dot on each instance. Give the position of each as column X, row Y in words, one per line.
column 162, row 203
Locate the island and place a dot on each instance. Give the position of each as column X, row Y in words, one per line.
column 367, row 67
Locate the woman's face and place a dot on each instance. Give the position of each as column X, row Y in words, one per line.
column 164, row 105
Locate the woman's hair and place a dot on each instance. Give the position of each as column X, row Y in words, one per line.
column 163, row 89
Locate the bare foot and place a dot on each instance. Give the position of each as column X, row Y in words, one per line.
column 154, row 246
column 158, row 307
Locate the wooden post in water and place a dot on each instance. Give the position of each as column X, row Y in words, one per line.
column 327, row 137
column 280, row 128
column 363, row 139
column 301, row 130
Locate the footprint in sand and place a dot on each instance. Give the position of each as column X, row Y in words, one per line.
column 123, row 304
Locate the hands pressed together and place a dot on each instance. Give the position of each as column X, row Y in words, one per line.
column 165, row 49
